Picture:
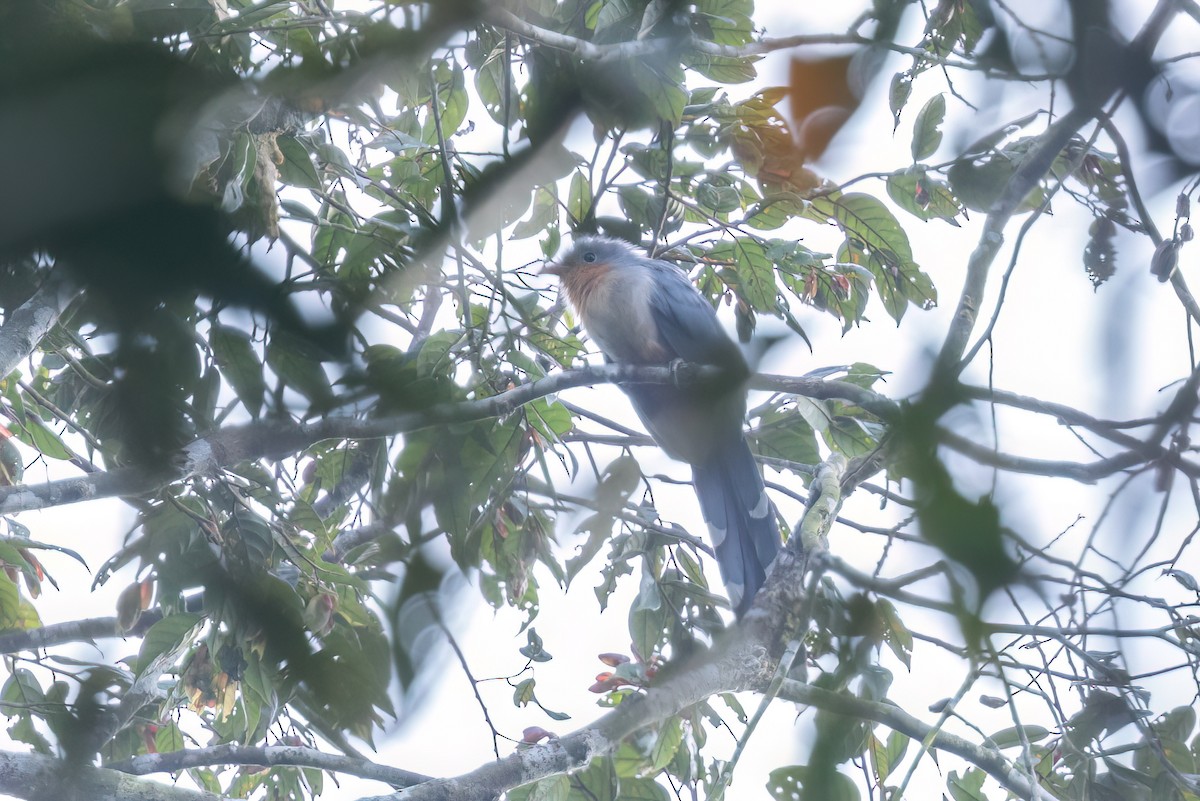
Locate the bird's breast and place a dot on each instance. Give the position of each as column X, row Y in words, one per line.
column 616, row 312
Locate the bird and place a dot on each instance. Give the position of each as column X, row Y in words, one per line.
column 646, row 311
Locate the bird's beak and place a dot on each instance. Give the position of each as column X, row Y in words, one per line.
column 551, row 268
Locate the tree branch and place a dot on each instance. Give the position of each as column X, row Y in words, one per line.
column 42, row 778
column 744, row 658
column 739, row 662
column 277, row 439
column 990, row 760
column 643, row 47
column 96, row 628
column 1032, row 169
column 1029, row 173
column 1087, row 473
column 29, row 323
column 267, row 756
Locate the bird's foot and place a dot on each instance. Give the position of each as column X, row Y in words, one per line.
column 682, row 372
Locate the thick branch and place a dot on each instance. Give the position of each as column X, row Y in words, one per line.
column 641, row 48
column 275, row 439
column 881, row 406
column 32, row 320
column 96, row 628
column 740, row 662
column 42, row 778
column 174, row 761
column 745, row 658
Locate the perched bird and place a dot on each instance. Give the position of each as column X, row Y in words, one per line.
column 645, row 311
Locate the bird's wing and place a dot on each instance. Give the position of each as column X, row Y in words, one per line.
column 687, row 324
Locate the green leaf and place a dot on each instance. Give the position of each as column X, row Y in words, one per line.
column 788, row 784
column 1176, row 724
column 723, row 69
column 455, row 98
column 968, row 787
column 20, row 693
column 980, row 178
column 436, row 356
column 543, row 215
column 397, row 142
column 735, row 706
column 895, row 633
column 168, row 738
column 663, row 87
column 725, row 22
column 298, row 366
column 297, row 168
column 613, row 13
column 234, row 353
column 166, row 638
column 24, row 731
column 10, row 603
column 862, row 374
column 923, row 197
column 11, row 557
column 927, row 134
column 596, row 781
column 646, row 627
column 552, row 788
column 875, row 240
column 786, row 434
column 551, row 419
column 628, row 761
column 523, row 692
column 641, row 208
column 898, row 94
column 669, row 738
column 241, row 157
column 869, row 221
column 579, row 197
column 641, row 790
column 496, row 87
column 754, row 275
column 37, row 434
column 719, row 193
column 1007, row 738
column 885, row 757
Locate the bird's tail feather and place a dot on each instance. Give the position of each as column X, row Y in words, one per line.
column 741, row 520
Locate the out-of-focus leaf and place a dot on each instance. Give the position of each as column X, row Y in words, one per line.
column 543, row 215
column 234, row 353
column 791, row 783
column 579, row 197
column 166, row 637
column 298, row 365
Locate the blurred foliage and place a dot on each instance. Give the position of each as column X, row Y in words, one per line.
column 314, row 210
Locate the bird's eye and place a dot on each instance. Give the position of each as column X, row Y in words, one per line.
column 589, row 257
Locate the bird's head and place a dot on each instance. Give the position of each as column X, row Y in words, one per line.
column 590, row 254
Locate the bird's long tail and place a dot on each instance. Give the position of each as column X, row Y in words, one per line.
column 741, row 520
